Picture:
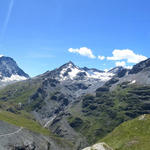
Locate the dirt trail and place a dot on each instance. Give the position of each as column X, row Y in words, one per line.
column 9, row 134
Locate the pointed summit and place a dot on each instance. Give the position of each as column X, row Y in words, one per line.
column 9, row 67
column 10, row 72
column 69, row 64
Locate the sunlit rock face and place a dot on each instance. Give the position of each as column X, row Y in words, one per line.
column 98, row 146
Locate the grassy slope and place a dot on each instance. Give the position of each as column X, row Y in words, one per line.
column 19, row 92
column 23, row 119
column 131, row 135
column 98, row 115
column 10, row 112
column 11, row 96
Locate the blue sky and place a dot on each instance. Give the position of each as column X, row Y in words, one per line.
column 44, row 34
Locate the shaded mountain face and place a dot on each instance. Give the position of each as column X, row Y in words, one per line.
column 140, row 66
column 9, row 71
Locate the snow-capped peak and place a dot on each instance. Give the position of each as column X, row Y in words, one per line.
column 9, row 71
column 70, row 71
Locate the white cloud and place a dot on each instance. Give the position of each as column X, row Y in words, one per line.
column 126, row 54
column 1, row 55
column 121, row 63
column 84, row 51
column 101, row 57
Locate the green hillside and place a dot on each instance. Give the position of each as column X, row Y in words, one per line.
column 25, row 120
column 131, row 135
column 96, row 116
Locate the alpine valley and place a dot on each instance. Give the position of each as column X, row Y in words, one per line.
column 73, row 108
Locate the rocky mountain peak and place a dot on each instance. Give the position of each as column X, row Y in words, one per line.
column 9, row 70
column 69, row 71
column 69, row 64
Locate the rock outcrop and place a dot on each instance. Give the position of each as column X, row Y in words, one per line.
column 98, row 146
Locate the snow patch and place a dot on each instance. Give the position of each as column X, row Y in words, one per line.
column 72, row 73
column 13, row 77
column 133, row 82
column 104, row 76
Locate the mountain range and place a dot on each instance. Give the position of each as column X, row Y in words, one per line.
column 69, row 108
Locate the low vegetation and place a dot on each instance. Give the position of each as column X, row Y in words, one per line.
column 100, row 114
column 23, row 119
column 19, row 92
column 131, row 135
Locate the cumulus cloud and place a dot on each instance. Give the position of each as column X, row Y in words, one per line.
column 126, row 54
column 121, row 63
column 84, row 51
column 101, row 57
